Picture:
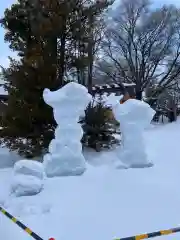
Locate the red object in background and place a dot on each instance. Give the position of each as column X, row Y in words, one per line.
column 51, row 238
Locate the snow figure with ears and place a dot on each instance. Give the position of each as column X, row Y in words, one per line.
column 65, row 156
column 134, row 116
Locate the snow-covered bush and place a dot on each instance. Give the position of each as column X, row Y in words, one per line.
column 99, row 126
column 28, row 178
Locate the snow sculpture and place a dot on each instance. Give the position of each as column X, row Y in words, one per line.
column 28, row 178
column 65, row 151
column 134, row 116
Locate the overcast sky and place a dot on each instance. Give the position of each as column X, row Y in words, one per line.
column 4, row 50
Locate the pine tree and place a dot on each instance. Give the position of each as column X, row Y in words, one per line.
column 99, row 126
column 28, row 125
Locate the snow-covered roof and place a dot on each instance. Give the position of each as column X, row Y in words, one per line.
column 129, row 84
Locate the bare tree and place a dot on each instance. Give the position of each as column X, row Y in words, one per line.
column 87, row 35
column 144, row 45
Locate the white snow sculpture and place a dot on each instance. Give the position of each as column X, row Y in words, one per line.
column 134, row 116
column 28, row 178
column 65, row 151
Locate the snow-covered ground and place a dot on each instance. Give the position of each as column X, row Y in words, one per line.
column 104, row 203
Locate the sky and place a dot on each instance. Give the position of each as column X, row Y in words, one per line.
column 4, row 50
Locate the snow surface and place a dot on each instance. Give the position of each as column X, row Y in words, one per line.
column 104, row 203
column 28, row 178
column 65, row 156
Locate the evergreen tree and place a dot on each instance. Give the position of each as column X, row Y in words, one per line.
column 28, row 125
column 99, row 126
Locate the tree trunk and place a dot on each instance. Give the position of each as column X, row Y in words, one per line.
column 62, row 54
column 90, row 55
column 139, row 95
column 172, row 115
column 53, row 61
column 78, row 75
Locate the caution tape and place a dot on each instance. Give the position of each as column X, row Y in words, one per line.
column 20, row 224
column 152, row 234
column 136, row 237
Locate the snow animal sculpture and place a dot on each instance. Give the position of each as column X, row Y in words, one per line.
column 65, row 156
column 134, row 116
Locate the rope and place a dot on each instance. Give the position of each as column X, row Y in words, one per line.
column 136, row 237
column 20, row 224
column 152, row 234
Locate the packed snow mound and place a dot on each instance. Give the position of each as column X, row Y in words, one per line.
column 65, row 156
column 68, row 132
column 24, row 185
column 57, row 146
column 28, row 178
column 30, row 167
column 70, row 165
